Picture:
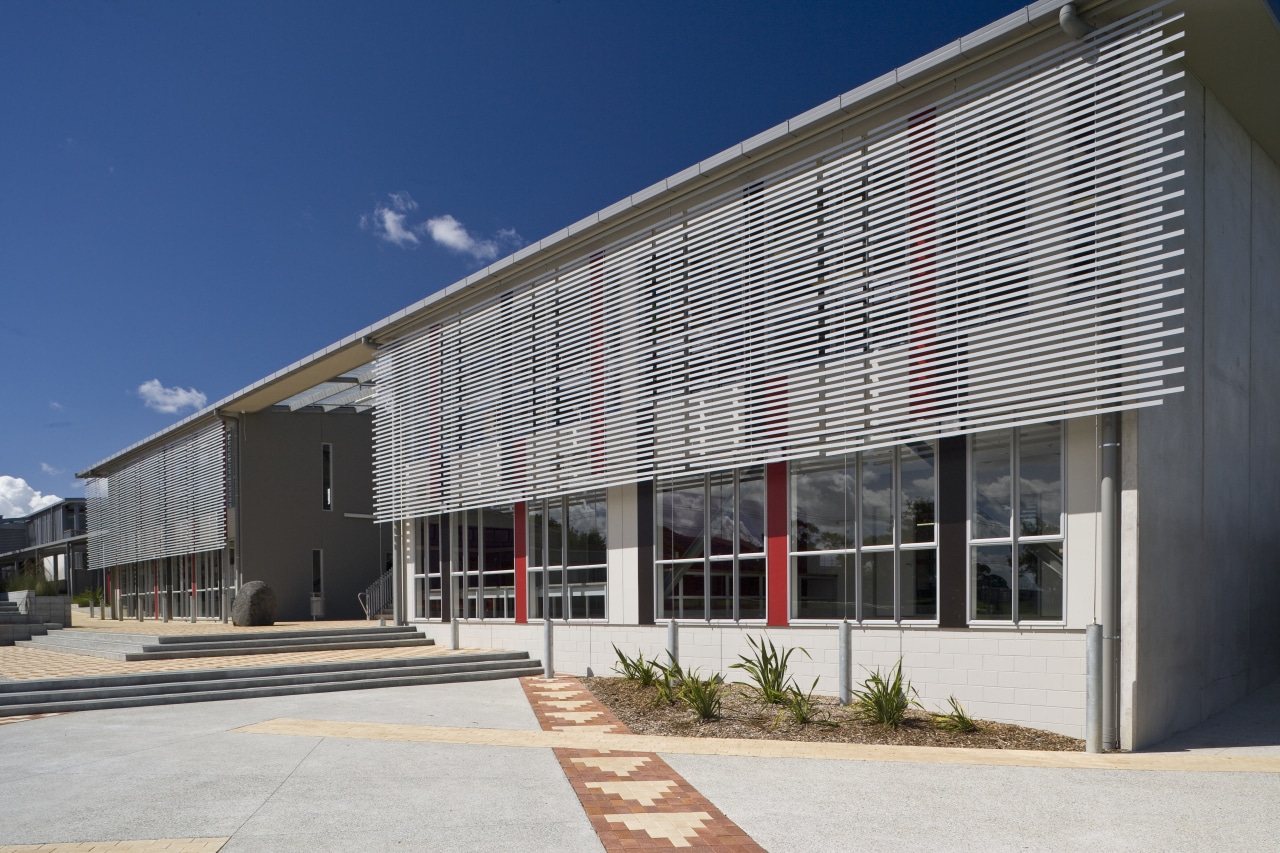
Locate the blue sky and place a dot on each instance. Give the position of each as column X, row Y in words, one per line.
column 194, row 195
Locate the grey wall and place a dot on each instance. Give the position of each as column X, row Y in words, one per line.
column 281, row 516
column 1202, row 579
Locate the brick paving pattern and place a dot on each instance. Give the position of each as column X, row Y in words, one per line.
column 20, row 663
column 152, row 845
column 635, row 801
column 22, row 718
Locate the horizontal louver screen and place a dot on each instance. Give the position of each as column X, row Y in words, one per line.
column 1004, row 256
column 168, row 503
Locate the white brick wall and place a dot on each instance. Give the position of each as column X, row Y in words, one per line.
column 1033, row 678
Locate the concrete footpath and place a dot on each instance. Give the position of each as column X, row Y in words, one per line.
column 461, row 767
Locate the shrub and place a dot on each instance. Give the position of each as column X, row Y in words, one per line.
column 957, row 720
column 801, row 708
column 885, row 701
column 638, row 669
column 767, row 669
column 704, row 696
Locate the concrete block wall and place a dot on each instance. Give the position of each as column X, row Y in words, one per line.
column 1029, row 677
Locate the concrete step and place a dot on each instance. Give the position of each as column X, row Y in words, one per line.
column 84, row 694
column 116, row 646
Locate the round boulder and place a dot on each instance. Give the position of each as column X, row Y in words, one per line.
column 254, row 604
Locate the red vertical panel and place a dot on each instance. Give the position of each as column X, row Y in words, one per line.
column 155, row 576
column 777, row 559
column 522, row 564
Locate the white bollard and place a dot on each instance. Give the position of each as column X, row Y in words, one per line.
column 673, row 641
column 846, row 664
column 548, row 649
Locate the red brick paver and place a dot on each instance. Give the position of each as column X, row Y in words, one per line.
column 635, row 801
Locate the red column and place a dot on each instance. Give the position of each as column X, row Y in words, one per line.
column 522, row 564
column 777, row 559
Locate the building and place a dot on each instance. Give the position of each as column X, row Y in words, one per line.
column 55, row 538
column 273, row 483
column 974, row 357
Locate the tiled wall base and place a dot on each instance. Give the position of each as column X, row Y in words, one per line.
column 1027, row 677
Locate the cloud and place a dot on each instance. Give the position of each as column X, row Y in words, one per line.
column 50, row 470
column 54, row 404
column 387, row 220
column 169, row 400
column 451, row 234
column 390, row 221
column 18, row 499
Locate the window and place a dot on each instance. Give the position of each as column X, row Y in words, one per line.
column 568, row 570
column 475, row 549
column 326, row 475
column 711, row 546
column 1015, row 519
column 863, row 537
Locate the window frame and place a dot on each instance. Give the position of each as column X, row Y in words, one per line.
column 708, row 558
column 540, row 565
column 1015, row 537
column 326, row 476
column 859, row 547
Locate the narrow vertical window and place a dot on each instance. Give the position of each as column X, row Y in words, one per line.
column 326, row 475
column 1015, row 524
column 317, row 572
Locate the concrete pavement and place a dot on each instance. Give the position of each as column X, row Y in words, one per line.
column 172, row 772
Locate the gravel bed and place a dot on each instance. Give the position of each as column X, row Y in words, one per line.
column 744, row 717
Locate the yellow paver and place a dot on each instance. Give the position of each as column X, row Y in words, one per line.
column 587, row 737
column 204, row 626
column 676, row 827
column 644, row 793
column 25, row 662
column 152, row 845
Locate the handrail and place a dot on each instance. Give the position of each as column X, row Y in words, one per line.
column 377, row 598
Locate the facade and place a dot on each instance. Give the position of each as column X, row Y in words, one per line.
column 969, row 357
column 973, row 358
column 55, row 537
column 271, row 484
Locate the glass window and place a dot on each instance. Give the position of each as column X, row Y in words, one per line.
column 568, row 572
column 467, row 560
column 706, row 525
column 863, row 535
column 1017, row 468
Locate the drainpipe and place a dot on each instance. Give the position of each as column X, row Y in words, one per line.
column 1108, row 577
column 1071, row 24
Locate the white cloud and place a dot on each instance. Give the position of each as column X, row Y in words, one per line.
column 387, row 220
column 50, row 470
column 169, row 400
column 18, row 499
column 451, row 234
column 54, row 404
column 390, row 221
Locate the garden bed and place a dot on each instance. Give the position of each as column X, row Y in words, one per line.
column 742, row 716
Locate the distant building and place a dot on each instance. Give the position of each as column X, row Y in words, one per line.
column 273, row 483
column 55, row 537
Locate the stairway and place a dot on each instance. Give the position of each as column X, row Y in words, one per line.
column 135, row 647
column 58, row 695
column 15, row 627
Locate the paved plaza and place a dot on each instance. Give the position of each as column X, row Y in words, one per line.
column 472, row 767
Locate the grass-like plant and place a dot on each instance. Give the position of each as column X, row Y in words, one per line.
column 704, row 696
column 885, row 700
column 767, row 669
column 957, row 720
column 670, row 681
column 643, row 672
column 801, row 707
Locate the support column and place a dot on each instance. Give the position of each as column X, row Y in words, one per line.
column 1108, row 578
column 522, row 563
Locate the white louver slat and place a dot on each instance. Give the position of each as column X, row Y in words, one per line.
column 1004, row 256
column 168, row 503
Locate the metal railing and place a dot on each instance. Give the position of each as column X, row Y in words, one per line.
column 376, row 600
